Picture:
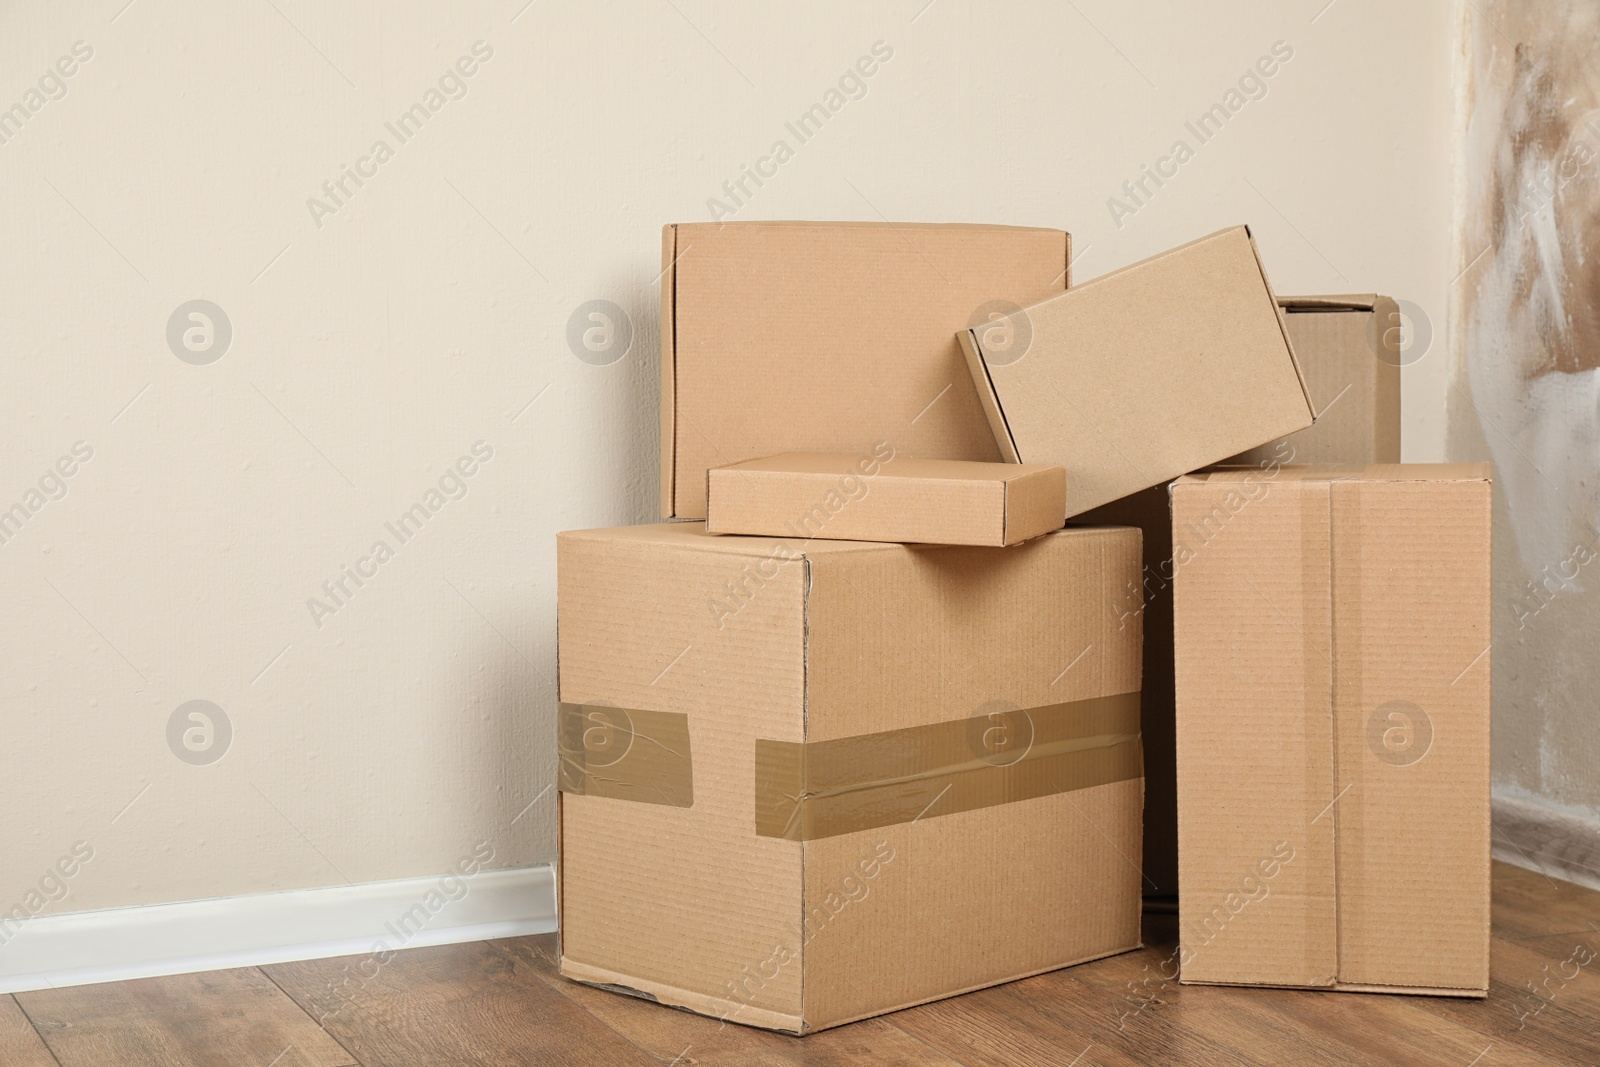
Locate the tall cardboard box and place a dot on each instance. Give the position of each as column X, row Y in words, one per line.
column 806, row 785
column 1143, row 374
column 1349, row 352
column 830, row 337
column 1332, row 669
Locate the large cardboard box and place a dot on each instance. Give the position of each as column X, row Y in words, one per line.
column 882, row 496
column 1141, row 375
column 829, row 337
column 1349, row 352
column 802, row 787
column 1332, row 631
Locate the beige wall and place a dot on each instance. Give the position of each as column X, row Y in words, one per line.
column 374, row 345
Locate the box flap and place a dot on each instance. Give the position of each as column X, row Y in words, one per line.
column 1255, row 733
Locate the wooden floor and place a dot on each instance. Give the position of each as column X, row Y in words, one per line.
column 501, row 1003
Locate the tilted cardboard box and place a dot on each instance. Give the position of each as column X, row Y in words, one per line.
column 829, row 337
column 1144, row 374
column 1349, row 351
column 1332, row 669
column 882, row 496
column 803, row 787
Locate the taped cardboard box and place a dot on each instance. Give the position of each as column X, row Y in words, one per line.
column 1349, row 352
column 828, row 337
column 883, row 496
column 1332, row 631
column 1141, row 375
column 806, row 786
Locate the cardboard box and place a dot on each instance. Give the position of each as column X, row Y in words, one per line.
column 1332, row 629
column 1349, row 352
column 829, row 337
column 806, row 786
column 882, row 496
column 1143, row 374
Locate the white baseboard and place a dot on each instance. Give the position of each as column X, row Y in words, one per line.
column 1547, row 839
column 82, row 948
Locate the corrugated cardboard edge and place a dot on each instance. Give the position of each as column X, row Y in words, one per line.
column 987, row 397
column 807, row 578
column 734, row 1012
column 669, row 369
column 1066, row 268
column 561, row 864
column 1350, row 987
column 1334, row 302
column 673, row 997
column 1386, row 397
column 1283, row 327
column 1015, row 507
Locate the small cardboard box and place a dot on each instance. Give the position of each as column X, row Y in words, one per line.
column 1332, row 630
column 1143, row 374
column 885, row 497
column 1349, row 352
column 806, row 786
column 828, row 337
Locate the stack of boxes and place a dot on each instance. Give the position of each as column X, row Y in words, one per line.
column 872, row 732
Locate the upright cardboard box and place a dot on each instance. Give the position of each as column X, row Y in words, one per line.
column 1144, row 374
column 1349, row 352
column 802, row 786
column 1332, row 628
column 829, row 337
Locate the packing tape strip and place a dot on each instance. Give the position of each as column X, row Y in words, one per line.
column 810, row 790
column 625, row 754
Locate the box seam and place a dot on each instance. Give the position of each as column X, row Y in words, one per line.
column 1283, row 326
column 1333, row 734
column 805, row 735
column 970, row 337
column 669, row 382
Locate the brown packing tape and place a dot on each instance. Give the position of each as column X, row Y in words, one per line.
column 625, row 754
column 805, row 791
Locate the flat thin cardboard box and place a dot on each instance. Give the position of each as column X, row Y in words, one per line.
column 806, row 786
column 1349, row 352
column 829, row 337
column 1332, row 630
column 882, row 496
column 1141, row 375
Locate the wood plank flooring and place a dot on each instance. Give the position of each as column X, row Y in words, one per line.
column 501, row 1003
